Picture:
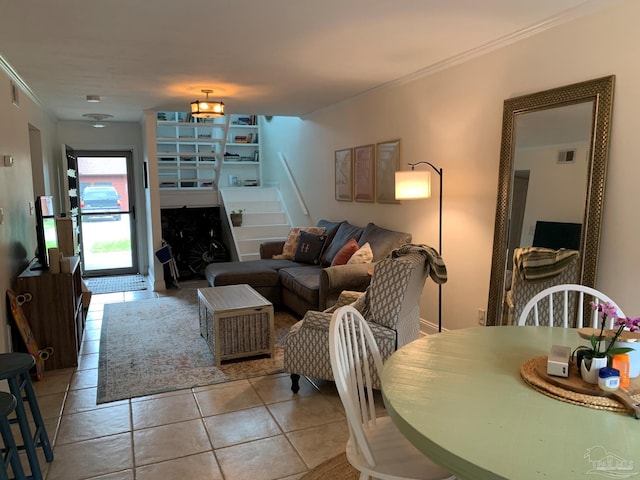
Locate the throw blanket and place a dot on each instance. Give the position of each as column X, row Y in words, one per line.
column 437, row 268
column 536, row 263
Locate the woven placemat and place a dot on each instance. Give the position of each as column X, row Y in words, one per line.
column 529, row 373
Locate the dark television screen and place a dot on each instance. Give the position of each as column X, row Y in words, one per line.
column 45, row 229
column 557, row 235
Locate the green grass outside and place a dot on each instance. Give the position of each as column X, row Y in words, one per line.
column 122, row 245
column 50, row 235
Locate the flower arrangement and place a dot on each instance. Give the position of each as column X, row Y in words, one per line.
column 607, row 310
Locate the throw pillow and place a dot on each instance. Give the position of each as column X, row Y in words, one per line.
column 309, row 248
column 343, row 234
column 344, row 254
column 363, row 255
column 291, row 242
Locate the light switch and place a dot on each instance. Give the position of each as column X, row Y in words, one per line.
column 8, row 160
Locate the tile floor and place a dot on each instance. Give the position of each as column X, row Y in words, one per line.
column 251, row 429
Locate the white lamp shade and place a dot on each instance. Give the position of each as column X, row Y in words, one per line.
column 413, row 184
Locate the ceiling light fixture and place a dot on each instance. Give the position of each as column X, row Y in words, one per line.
column 206, row 108
column 98, row 118
column 93, row 98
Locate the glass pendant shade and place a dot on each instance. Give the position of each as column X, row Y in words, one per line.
column 207, row 108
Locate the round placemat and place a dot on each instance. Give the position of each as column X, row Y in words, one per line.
column 528, row 372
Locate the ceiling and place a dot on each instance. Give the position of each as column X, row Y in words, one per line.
column 273, row 57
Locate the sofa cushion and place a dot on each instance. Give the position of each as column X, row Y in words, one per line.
column 304, row 281
column 257, row 273
column 310, row 248
column 330, row 229
column 290, row 244
column 345, row 253
column 363, row 255
column 345, row 232
column 383, row 241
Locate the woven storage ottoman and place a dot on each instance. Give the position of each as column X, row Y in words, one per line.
column 236, row 321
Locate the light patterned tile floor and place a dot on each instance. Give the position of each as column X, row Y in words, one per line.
column 251, row 429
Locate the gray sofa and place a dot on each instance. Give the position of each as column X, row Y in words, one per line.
column 302, row 287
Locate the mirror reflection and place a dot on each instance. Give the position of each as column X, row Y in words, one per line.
column 551, row 180
column 551, row 163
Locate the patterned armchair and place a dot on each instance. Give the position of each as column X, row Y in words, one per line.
column 534, row 270
column 390, row 305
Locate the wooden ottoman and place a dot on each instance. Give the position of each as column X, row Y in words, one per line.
column 236, row 321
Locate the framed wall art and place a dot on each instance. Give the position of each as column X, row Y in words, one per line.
column 364, row 173
column 344, row 175
column 387, row 163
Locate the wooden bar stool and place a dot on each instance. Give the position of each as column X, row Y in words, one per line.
column 10, row 450
column 14, row 367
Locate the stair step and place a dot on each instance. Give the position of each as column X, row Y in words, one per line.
column 274, row 218
column 264, row 218
column 250, row 194
column 250, row 245
column 255, row 207
column 261, row 231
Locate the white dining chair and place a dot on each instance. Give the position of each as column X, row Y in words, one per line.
column 376, row 448
column 566, row 302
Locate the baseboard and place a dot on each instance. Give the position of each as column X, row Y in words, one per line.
column 427, row 328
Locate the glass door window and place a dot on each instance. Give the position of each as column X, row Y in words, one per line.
column 106, row 213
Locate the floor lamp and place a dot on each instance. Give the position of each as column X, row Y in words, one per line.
column 416, row 184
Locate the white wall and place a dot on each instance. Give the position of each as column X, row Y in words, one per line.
column 556, row 192
column 453, row 118
column 17, row 232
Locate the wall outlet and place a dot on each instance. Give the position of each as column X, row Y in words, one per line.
column 482, row 316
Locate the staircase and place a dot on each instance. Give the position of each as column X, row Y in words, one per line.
column 264, row 219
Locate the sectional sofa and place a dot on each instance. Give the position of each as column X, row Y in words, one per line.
column 300, row 282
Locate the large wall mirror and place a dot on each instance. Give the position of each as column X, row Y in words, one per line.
column 553, row 161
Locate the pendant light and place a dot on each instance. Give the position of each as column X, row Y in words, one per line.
column 207, row 108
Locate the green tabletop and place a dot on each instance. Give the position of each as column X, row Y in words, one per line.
column 459, row 398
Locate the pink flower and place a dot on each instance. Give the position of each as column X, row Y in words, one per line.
column 605, row 310
column 630, row 323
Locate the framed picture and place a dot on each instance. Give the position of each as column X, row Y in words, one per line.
column 364, row 173
column 344, row 175
column 387, row 163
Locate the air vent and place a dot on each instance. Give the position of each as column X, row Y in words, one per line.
column 567, row 156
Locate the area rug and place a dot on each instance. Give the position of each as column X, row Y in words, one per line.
column 154, row 346
column 336, row 468
column 118, row 283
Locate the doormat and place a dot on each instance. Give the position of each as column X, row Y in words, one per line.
column 118, row 283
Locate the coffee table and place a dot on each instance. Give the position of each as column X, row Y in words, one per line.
column 236, row 321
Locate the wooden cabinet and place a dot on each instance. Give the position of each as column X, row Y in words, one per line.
column 55, row 311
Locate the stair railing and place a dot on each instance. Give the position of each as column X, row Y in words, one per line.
column 296, row 190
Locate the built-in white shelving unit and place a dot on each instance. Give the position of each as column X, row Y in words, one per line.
column 196, row 157
column 242, row 152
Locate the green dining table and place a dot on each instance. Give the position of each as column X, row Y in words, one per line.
column 458, row 396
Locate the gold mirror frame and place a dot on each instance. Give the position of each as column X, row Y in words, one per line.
column 598, row 91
